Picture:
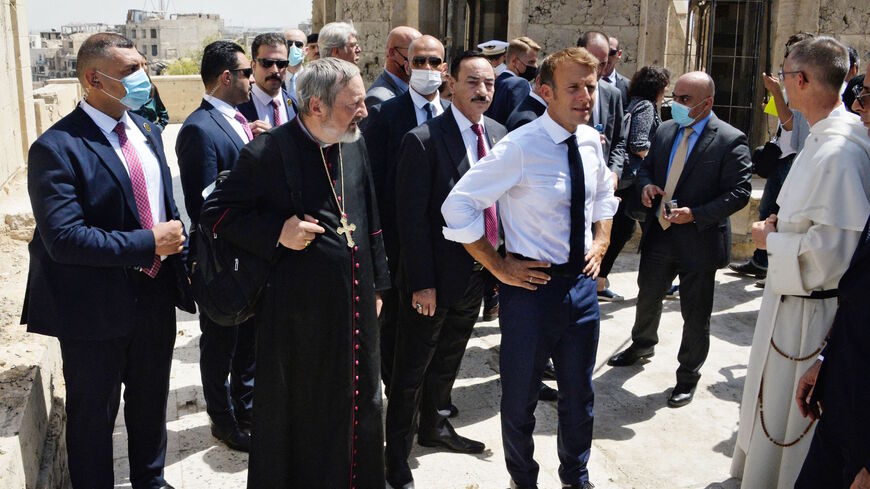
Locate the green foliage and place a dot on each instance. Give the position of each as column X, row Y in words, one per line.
column 189, row 63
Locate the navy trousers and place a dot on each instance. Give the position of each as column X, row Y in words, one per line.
column 560, row 321
column 226, row 364
column 94, row 371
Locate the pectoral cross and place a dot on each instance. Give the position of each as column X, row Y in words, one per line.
column 347, row 229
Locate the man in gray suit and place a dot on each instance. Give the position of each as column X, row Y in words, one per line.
column 394, row 79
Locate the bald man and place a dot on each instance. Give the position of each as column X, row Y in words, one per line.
column 296, row 40
column 394, row 80
column 702, row 164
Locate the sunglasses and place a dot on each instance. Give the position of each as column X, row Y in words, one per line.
column 613, row 52
column 267, row 63
column 298, row 44
column 247, row 72
column 421, row 61
column 858, row 92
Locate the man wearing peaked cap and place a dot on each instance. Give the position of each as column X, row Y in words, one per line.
column 496, row 52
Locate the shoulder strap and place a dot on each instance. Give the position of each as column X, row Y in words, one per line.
column 292, row 172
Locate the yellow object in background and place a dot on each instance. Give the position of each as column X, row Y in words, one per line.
column 770, row 107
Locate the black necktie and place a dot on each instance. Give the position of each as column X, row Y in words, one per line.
column 576, row 257
column 428, row 108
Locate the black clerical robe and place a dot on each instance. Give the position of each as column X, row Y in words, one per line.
column 317, row 418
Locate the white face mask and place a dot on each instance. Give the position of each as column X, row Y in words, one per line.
column 425, row 82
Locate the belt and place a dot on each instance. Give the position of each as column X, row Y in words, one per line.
column 560, row 270
column 817, row 294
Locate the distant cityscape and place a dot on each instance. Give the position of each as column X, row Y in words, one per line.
column 161, row 37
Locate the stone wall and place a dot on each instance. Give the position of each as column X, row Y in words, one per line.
column 180, row 94
column 17, row 126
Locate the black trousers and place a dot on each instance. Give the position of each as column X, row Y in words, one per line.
column 620, row 233
column 836, row 454
column 387, row 324
column 94, row 371
column 226, row 364
column 429, row 350
column 658, row 268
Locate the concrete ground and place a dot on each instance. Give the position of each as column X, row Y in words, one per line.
column 639, row 442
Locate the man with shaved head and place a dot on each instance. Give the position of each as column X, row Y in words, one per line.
column 823, row 205
column 696, row 174
column 295, row 56
column 394, row 80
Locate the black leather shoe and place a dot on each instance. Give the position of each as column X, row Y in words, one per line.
column 445, row 436
column 582, row 485
column 233, row 438
column 681, row 395
column 749, row 269
column 491, row 313
column 547, row 393
column 550, row 370
column 629, row 356
column 244, row 421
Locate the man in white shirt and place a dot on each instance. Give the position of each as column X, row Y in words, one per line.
column 552, row 187
column 270, row 105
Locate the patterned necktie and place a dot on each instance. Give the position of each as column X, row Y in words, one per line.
column 577, row 239
column 428, row 109
column 490, row 217
column 140, row 189
column 276, row 114
column 244, row 122
column 674, row 173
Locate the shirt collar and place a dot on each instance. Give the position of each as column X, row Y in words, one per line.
column 701, row 124
column 538, row 98
column 398, row 81
column 461, row 120
column 420, row 101
column 105, row 122
column 264, row 97
column 221, row 106
column 556, row 132
column 500, row 69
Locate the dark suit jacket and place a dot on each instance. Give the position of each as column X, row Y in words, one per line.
column 529, row 110
column 622, row 84
column 715, row 183
column 206, row 145
column 843, row 385
column 612, row 112
column 88, row 237
column 432, row 159
column 384, row 129
column 249, row 110
column 384, row 88
column 510, row 91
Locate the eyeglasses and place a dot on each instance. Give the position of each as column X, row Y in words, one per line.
column 298, row 44
column 613, row 52
column 267, row 63
column 860, row 93
column 405, row 58
column 247, row 72
column 782, row 74
column 421, row 61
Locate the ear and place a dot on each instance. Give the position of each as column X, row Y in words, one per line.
column 546, row 92
column 451, row 83
column 316, row 106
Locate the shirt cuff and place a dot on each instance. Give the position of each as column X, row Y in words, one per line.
column 467, row 234
column 605, row 208
column 782, row 256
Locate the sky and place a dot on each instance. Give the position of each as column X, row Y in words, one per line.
column 47, row 14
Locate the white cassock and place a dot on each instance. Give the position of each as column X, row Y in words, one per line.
column 824, row 204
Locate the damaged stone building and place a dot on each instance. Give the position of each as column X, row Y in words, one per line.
column 733, row 40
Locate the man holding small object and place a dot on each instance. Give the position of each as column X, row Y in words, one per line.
column 696, row 174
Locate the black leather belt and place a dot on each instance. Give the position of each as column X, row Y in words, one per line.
column 818, row 294
column 560, row 270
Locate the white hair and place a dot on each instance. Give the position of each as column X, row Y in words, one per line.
column 323, row 78
column 334, row 35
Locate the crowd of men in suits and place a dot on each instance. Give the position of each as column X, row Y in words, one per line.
column 509, row 197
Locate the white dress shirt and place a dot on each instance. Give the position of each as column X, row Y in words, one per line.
column 262, row 101
column 470, row 139
column 527, row 173
column 229, row 112
column 147, row 157
column 420, row 104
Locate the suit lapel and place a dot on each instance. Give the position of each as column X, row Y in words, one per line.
column 96, row 140
column 157, row 147
column 409, row 113
column 222, row 122
column 494, row 132
column 707, row 136
column 661, row 168
column 452, row 139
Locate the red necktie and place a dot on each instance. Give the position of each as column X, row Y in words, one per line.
column 276, row 115
column 140, row 190
column 244, row 122
column 490, row 217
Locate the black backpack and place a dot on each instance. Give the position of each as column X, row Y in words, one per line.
column 225, row 280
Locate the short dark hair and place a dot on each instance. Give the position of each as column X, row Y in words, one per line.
column 849, row 94
column 853, row 56
column 273, row 39
column 217, row 57
column 312, row 38
column 587, row 36
column 649, row 82
column 470, row 54
column 97, row 47
column 794, row 39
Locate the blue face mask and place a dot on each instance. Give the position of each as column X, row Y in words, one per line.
column 295, row 56
column 680, row 113
column 138, row 88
